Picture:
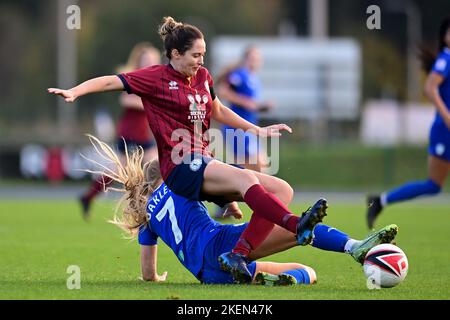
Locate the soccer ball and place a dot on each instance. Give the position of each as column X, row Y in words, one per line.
column 385, row 266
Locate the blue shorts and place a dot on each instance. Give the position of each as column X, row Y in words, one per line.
column 223, row 242
column 133, row 145
column 186, row 179
column 439, row 141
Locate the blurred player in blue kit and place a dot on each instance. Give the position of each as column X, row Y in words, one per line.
column 241, row 87
column 437, row 89
column 150, row 210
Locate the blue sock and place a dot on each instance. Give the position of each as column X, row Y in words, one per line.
column 328, row 238
column 412, row 190
column 252, row 268
column 301, row 275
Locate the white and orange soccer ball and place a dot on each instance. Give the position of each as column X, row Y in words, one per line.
column 385, row 266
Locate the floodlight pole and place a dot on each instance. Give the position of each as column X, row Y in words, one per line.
column 318, row 31
column 413, row 38
column 67, row 70
column 318, row 19
column 414, row 30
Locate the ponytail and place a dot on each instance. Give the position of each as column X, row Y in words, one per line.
column 427, row 58
column 136, row 184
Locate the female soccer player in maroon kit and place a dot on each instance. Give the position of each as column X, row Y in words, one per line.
column 133, row 127
column 179, row 100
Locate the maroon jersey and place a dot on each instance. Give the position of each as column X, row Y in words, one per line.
column 133, row 125
column 174, row 102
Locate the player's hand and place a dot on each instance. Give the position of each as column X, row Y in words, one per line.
column 160, row 278
column 68, row 95
column 156, row 278
column 232, row 210
column 273, row 130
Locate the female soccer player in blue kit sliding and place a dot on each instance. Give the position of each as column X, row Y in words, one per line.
column 151, row 211
column 437, row 89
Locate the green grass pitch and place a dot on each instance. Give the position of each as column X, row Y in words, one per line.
column 40, row 239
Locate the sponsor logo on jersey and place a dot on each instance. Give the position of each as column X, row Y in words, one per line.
column 197, row 107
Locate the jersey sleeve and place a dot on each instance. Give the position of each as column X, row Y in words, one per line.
column 138, row 82
column 147, row 237
column 211, row 86
column 442, row 65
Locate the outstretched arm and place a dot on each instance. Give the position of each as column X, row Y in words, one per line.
column 100, row 84
column 148, row 264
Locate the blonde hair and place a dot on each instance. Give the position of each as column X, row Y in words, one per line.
column 135, row 56
column 138, row 182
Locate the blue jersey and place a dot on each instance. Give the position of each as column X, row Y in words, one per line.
column 245, row 83
column 184, row 225
column 442, row 67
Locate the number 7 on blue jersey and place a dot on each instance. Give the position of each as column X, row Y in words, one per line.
column 170, row 207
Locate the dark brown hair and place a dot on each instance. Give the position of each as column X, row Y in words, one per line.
column 427, row 56
column 177, row 35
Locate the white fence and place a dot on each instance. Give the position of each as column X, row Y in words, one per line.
column 386, row 123
column 307, row 79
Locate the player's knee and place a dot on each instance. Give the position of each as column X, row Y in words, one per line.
column 283, row 191
column 247, row 178
column 288, row 192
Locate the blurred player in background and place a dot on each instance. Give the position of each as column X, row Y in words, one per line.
column 150, row 210
column 240, row 85
column 132, row 128
column 437, row 89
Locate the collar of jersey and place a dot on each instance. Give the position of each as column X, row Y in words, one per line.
column 177, row 73
column 447, row 50
column 159, row 187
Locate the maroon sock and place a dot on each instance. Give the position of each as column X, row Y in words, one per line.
column 269, row 207
column 97, row 186
column 256, row 232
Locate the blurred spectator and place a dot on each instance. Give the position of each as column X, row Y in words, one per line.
column 55, row 170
